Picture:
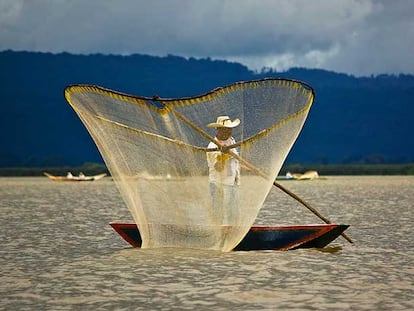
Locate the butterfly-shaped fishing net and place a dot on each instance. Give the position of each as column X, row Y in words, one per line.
column 161, row 155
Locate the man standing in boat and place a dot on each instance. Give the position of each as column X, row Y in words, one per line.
column 224, row 170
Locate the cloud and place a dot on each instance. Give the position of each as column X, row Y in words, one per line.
column 352, row 36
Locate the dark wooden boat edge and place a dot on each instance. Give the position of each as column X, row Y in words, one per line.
column 281, row 237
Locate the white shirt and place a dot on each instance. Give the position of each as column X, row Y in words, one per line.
column 230, row 175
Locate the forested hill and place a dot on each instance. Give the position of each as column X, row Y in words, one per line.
column 353, row 120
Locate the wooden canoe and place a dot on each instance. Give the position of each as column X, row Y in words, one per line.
column 283, row 237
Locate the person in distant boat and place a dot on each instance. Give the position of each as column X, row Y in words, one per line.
column 224, row 170
column 69, row 175
column 81, row 175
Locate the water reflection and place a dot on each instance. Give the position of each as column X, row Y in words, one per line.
column 58, row 253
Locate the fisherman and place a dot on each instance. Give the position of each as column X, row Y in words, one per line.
column 224, row 170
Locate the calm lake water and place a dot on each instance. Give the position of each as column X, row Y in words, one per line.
column 59, row 253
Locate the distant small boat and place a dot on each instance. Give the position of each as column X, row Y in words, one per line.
column 70, row 177
column 309, row 175
column 168, row 177
column 282, row 238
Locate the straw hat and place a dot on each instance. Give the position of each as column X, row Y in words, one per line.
column 224, row 121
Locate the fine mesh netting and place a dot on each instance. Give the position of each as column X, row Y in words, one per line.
column 156, row 151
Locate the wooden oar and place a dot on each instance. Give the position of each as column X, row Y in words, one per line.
column 312, row 209
column 254, row 169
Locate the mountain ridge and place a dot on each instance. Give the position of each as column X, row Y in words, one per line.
column 353, row 119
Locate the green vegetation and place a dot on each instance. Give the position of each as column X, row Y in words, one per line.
column 86, row 168
column 352, row 169
column 323, row 170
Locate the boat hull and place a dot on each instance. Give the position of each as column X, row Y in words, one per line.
column 285, row 237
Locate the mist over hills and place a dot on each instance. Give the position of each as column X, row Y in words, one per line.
column 353, row 120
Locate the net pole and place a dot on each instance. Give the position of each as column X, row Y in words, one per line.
column 312, row 209
column 255, row 169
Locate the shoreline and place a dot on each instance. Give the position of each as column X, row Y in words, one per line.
column 323, row 170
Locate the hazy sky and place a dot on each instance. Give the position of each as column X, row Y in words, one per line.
column 360, row 37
